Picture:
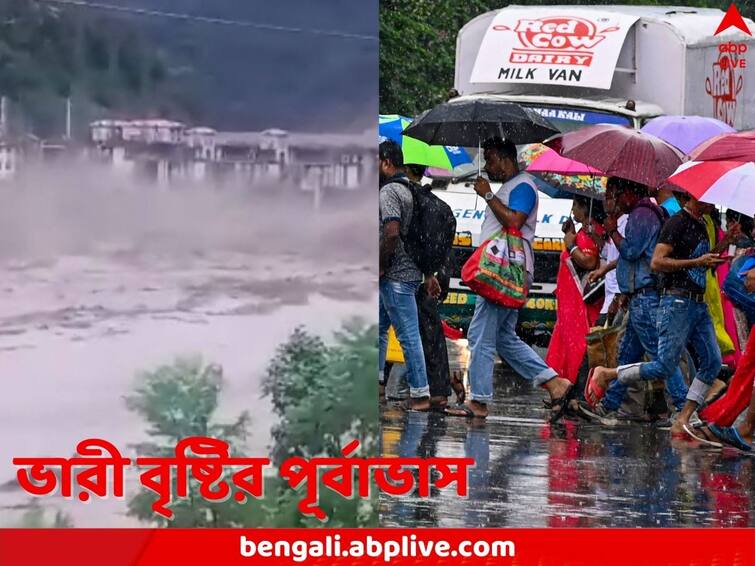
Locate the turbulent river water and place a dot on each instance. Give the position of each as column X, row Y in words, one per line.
column 96, row 286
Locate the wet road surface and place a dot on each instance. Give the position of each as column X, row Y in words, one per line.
column 572, row 474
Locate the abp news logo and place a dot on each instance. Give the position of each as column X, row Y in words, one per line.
column 725, row 82
column 734, row 19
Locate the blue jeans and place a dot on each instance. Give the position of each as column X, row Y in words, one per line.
column 493, row 329
column 681, row 321
column 398, row 307
column 640, row 337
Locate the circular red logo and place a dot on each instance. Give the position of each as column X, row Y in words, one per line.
column 557, row 33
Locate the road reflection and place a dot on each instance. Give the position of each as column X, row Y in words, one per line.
column 574, row 474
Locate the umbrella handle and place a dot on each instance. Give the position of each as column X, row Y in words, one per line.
column 479, row 167
column 479, row 160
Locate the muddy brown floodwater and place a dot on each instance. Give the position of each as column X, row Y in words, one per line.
column 85, row 307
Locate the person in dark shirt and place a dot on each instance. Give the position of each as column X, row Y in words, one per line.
column 429, row 296
column 682, row 258
column 399, row 278
column 687, row 239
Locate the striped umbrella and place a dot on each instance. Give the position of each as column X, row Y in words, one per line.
column 724, row 183
column 390, row 127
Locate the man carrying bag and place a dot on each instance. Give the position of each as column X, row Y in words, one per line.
column 510, row 218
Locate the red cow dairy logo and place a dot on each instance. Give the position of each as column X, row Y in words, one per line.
column 725, row 83
column 556, row 40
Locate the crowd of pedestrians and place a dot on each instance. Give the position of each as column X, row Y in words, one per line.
column 678, row 277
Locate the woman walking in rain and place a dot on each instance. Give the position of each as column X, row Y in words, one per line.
column 574, row 317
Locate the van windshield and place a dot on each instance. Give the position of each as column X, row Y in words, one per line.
column 568, row 119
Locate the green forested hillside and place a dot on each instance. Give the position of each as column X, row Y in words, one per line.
column 47, row 55
column 232, row 77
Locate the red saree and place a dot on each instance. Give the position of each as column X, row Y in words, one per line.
column 725, row 410
column 573, row 318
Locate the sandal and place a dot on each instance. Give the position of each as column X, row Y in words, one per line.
column 730, row 436
column 559, row 406
column 466, row 409
column 701, row 436
column 593, row 393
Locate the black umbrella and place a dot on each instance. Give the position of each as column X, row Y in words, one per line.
column 469, row 122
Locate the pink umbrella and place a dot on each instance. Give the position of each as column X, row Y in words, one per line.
column 562, row 174
column 438, row 172
column 620, row 152
column 551, row 162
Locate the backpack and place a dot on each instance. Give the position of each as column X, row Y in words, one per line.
column 431, row 232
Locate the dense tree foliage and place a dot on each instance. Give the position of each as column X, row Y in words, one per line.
column 115, row 64
column 324, row 397
column 48, row 54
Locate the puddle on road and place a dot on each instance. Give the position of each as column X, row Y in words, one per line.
column 530, row 474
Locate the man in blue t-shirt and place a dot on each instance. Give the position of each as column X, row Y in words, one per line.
column 493, row 327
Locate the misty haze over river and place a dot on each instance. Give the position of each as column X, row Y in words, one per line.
column 100, row 279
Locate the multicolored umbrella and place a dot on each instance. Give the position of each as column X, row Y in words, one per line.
column 565, row 177
column 725, row 183
column 621, row 152
column 686, row 132
column 390, row 127
column 726, row 147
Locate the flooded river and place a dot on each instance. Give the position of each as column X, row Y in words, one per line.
column 81, row 316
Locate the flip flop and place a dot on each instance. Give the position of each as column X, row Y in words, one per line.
column 468, row 412
column 690, row 430
column 559, row 406
column 730, row 436
column 593, row 393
